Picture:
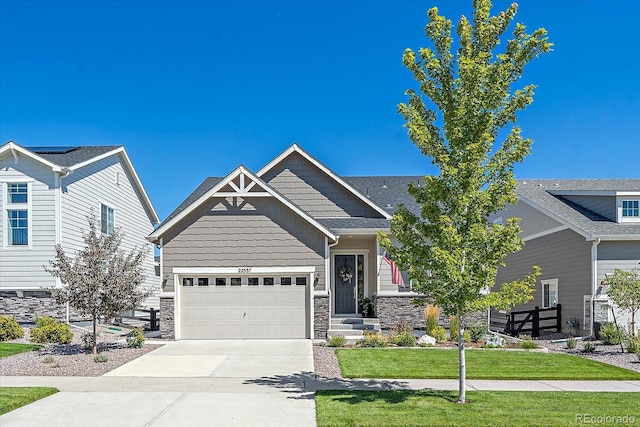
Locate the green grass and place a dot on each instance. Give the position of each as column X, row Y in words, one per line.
column 483, row 408
column 14, row 397
column 9, row 348
column 481, row 364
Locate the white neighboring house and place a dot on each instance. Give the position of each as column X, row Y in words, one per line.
column 46, row 194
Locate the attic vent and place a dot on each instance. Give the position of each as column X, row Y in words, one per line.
column 388, row 206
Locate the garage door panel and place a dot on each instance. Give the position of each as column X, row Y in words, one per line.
column 223, row 312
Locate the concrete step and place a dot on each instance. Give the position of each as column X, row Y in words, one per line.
column 355, row 321
column 351, row 326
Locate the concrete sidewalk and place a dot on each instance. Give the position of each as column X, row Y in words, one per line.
column 301, row 384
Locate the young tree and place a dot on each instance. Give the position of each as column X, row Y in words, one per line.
column 624, row 291
column 102, row 280
column 450, row 249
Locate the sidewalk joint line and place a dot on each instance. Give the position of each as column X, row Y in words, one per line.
column 165, row 410
column 551, row 385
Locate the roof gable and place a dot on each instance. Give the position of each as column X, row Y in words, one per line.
column 335, row 200
column 239, row 183
column 549, row 197
column 66, row 160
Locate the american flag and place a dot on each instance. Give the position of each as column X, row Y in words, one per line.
column 396, row 274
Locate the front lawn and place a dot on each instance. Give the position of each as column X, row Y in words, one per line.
column 9, row 348
column 483, row 408
column 14, row 397
column 481, row 364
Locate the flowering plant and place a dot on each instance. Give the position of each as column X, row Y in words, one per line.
column 345, row 274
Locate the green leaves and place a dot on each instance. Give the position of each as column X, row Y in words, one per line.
column 465, row 100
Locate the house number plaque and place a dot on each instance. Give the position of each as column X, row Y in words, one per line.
column 244, row 270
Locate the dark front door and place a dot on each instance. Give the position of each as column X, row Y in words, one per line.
column 345, row 279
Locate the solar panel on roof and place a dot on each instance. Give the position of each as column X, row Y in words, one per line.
column 52, row 150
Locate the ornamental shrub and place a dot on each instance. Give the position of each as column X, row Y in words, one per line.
column 49, row 330
column 100, row 358
column 337, row 341
column 135, row 338
column 439, row 333
column 610, row 334
column 431, row 318
column 372, row 340
column 10, row 329
column 476, row 332
column 405, row 340
column 589, row 347
column 571, row 343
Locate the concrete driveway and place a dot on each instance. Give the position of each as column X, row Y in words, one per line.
column 185, row 383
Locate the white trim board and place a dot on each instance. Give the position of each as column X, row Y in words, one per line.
column 239, row 270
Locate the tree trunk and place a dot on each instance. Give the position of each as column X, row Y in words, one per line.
column 462, row 389
column 95, row 338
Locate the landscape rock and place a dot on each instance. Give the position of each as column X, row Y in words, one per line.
column 427, row 340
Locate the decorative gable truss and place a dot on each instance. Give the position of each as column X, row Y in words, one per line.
column 241, row 183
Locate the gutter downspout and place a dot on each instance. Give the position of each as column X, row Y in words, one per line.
column 594, row 278
column 65, row 173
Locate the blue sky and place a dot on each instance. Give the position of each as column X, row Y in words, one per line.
column 194, row 88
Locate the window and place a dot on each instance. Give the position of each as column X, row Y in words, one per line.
column 236, row 281
column 18, row 227
column 253, row 281
column 203, row 281
column 301, row 281
column 631, row 208
column 17, row 192
column 267, row 281
column 107, row 223
column 187, row 281
column 17, row 214
column 221, row 281
column 549, row 293
column 285, row 281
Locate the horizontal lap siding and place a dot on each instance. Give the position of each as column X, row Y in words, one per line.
column 261, row 233
column 23, row 267
column 617, row 255
column 315, row 192
column 565, row 256
column 86, row 189
column 532, row 221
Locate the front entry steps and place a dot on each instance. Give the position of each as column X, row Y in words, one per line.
column 352, row 327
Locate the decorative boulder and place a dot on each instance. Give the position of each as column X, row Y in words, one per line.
column 426, row 340
column 496, row 341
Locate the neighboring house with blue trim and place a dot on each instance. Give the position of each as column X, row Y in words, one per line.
column 46, row 194
column 578, row 231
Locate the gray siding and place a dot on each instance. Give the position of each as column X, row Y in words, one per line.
column 532, row 221
column 315, row 192
column 565, row 256
column 624, row 255
column 260, row 232
column 86, row 189
column 21, row 266
column 603, row 205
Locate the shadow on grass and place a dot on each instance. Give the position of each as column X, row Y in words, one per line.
column 387, row 396
column 303, row 385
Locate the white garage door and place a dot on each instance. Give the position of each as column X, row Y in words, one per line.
column 251, row 306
